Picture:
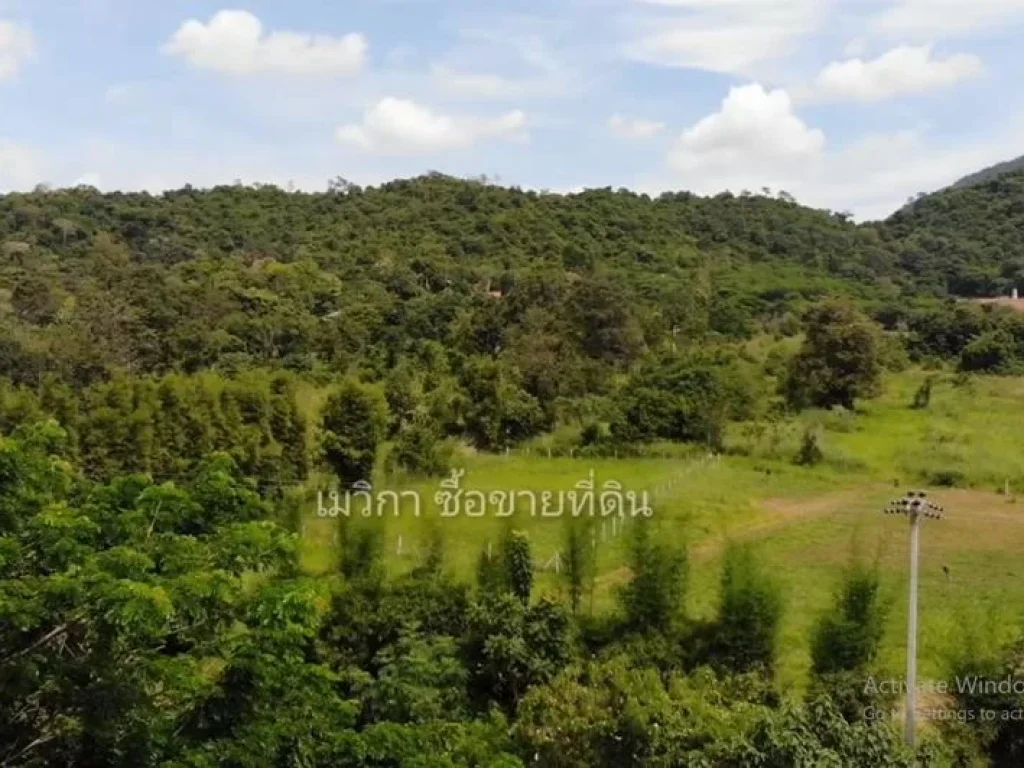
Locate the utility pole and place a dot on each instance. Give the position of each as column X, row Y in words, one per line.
column 914, row 506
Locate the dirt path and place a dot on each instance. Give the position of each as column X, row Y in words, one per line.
column 786, row 512
column 783, row 512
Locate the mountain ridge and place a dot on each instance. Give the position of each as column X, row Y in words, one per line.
column 993, row 171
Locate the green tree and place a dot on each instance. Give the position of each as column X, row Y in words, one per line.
column 500, row 412
column 35, row 301
column 517, row 560
column 847, row 638
column 654, row 596
column 683, row 396
column 810, row 453
column 580, row 565
column 992, row 352
column 352, row 425
column 839, row 361
column 510, row 647
column 749, row 614
column 420, row 450
column 112, row 599
column 362, row 550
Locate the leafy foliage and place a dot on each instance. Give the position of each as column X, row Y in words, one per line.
column 352, row 427
column 653, row 599
column 747, row 626
column 162, row 360
column 965, row 239
column 839, row 360
column 847, row 638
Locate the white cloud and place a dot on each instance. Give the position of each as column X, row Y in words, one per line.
column 730, row 36
column 16, row 45
column 878, row 173
column 755, row 135
column 235, row 43
column 401, row 126
column 634, row 128
column 901, row 71
column 929, row 18
column 756, row 140
column 21, row 168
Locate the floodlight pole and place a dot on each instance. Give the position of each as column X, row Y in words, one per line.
column 910, row 727
column 913, row 505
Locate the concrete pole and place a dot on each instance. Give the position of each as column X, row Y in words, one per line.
column 909, row 733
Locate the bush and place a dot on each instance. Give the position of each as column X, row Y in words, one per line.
column 749, row 616
column 992, row 352
column 810, row 453
column 684, row 397
column 847, row 638
column 654, row 596
column 923, row 395
column 518, row 562
column 946, row 478
column 419, row 449
column 353, row 423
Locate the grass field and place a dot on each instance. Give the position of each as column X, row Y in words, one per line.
column 807, row 523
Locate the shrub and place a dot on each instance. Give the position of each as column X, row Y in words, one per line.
column 810, row 452
column 518, row 562
column 420, row 450
column 993, row 352
column 923, row 395
column 352, row 425
column 654, row 595
column 749, row 616
column 847, row 638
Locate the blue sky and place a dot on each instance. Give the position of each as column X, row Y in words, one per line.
column 847, row 104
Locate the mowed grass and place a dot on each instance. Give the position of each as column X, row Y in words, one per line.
column 806, row 523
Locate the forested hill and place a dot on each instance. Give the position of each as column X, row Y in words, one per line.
column 974, row 234
column 240, row 277
column 236, row 277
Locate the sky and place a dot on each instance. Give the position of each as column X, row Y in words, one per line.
column 852, row 105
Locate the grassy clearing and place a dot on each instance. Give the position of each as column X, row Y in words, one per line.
column 806, row 522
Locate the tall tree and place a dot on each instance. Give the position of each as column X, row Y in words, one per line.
column 518, row 564
column 839, row 361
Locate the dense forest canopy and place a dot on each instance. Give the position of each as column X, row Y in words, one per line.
column 971, row 233
column 234, row 277
column 485, row 313
column 238, row 276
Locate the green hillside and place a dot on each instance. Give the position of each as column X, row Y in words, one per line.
column 969, row 234
column 235, row 277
